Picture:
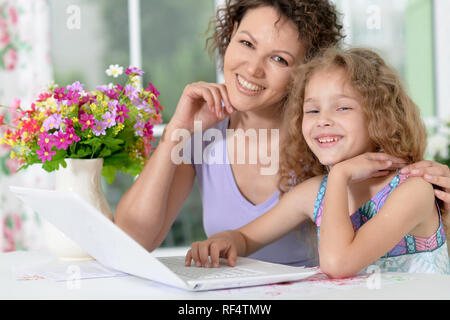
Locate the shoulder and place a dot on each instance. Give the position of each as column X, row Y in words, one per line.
column 305, row 193
column 414, row 196
column 416, row 186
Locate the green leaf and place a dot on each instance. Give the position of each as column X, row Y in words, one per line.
column 105, row 153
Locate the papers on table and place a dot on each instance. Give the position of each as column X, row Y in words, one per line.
column 58, row 270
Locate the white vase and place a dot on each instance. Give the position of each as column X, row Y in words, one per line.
column 83, row 177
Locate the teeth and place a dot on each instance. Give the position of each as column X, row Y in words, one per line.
column 249, row 86
column 328, row 140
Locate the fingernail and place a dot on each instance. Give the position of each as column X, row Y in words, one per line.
column 415, row 172
column 428, row 177
column 437, row 192
column 404, row 171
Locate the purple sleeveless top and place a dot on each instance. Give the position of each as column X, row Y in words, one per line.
column 225, row 208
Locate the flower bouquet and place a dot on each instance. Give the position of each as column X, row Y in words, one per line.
column 113, row 122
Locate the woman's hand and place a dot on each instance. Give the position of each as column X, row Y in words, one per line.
column 216, row 247
column 436, row 174
column 368, row 165
column 201, row 101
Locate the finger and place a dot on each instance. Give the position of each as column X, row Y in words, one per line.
column 203, row 251
column 432, row 171
column 444, row 196
column 443, row 182
column 232, row 256
column 208, row 97
column 217, row 101
column 386, row 157
column 195, row 255
column 422, row 165
column 188, row 259
column 226, row 100
column 215, row 254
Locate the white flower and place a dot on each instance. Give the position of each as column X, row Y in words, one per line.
column 114, row 70
column 438, row 145
column 51, row 86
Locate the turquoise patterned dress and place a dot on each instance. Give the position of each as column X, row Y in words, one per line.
column 411, row 254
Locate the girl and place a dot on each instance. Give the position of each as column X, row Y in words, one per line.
column 345, row 110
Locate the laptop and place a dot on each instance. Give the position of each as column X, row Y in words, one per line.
column 114, row 248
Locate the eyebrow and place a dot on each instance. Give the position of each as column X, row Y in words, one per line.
column 338, row 96
column 256, row 42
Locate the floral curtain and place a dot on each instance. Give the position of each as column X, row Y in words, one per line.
column 25, row 69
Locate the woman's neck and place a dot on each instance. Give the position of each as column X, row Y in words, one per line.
column 255, row 120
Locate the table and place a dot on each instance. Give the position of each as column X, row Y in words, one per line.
column 391, row 286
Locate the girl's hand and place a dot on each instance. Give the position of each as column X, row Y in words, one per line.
column 201, row 101
column 436, row 174
column 220, row 247
column 368, row 165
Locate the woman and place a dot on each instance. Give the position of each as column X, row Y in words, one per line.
column 260, row 42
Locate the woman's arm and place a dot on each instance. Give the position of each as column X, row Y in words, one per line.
column 148, row 209
column 294, row 208
column 343, row 252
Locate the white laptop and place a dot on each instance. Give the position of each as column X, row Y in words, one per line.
column 113, row 248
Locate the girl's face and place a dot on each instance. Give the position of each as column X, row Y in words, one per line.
column 260, row 58
column 334, row 122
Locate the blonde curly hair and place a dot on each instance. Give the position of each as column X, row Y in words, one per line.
column 394, row 122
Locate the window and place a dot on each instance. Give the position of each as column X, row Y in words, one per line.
column 172, row 43
column 402, row 32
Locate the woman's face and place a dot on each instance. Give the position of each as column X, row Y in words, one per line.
column 260, row 58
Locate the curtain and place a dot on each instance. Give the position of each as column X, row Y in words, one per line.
column 25, row 70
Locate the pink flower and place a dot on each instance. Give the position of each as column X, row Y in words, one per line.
column 87, row 120
column 15, row 105
column 134, row 71
column 60, row 94
column 152, row 89
column 45, row 154
column 122, row 113
column 62, row 141
column 71, row 136
column 46, row 140
column 157, row 105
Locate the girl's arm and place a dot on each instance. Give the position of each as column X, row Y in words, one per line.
column 342, row 251
column 293, row 209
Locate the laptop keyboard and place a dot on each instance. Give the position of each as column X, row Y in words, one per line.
column 176, row 264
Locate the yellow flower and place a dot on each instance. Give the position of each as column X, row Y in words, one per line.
column 12, row 155
column 118, row 128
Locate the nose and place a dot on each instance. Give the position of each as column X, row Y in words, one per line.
column 255, row 67
column 324, row 120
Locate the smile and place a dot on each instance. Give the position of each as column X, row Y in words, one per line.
column 248, row 86
column 327, row 142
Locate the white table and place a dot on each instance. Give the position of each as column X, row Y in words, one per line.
column 417, row 286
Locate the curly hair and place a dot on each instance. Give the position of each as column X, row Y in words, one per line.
column 316, row 21
column 394, row 122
